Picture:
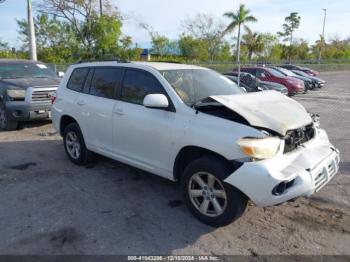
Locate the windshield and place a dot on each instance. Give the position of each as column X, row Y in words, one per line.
column 275, row 73
column 193, row 85
column 301, row 73
column 25, row 70
column 287, row 72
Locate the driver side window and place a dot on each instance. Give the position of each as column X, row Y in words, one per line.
column 137, row 84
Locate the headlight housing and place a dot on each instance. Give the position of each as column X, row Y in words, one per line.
column 260, row 148
column 16, row 94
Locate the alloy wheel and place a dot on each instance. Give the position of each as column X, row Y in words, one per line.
column 207, row 194
column 73, row 145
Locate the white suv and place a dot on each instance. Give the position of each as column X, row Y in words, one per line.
column 193, row 125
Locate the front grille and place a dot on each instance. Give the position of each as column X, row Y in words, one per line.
column 331, row 170
column 297, row 137
column 41, row 96
column 320, row 180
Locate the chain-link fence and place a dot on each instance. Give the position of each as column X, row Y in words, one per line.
column 224, row 67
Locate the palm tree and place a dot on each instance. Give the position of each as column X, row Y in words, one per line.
column 238, row 18
column 253, row 41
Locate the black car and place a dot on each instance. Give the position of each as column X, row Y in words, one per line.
column 253, row 84
column 319, row 82
column 25, row 91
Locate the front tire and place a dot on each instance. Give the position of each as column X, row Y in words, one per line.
column 208, row 197
column 74, row 145
column 6, row 123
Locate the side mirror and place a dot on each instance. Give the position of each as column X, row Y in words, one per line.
column 60, row 74
column 156, row 101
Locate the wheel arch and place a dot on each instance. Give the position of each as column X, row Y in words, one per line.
column 65, row 121
column 189, row 153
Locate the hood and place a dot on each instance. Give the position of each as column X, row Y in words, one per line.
column 295, row 80
column 268, row 109
column 24, row 83
column 303, row 78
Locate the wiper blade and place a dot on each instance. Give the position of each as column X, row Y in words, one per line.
column 205, row 102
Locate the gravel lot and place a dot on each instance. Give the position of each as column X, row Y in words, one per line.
column 50, row 206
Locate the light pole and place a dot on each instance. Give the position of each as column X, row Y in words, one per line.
column 322, row 40
column 31, row 30
column 101, row 8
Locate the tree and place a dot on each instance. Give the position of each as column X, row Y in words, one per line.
column 85, row 20
column 105, row 32
column 192, row 48
column 207, row 30
column 238, row 18
column 4, row 46
column 253, row 41
column 56, row 40
column 160, row 43
column 292, row 22
column 269, row 42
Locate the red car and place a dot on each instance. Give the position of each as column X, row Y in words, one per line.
column 304, row 69
column 294, row 86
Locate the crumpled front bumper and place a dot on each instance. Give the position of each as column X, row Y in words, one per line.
column 306, row 170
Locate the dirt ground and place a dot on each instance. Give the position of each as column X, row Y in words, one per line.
column 50, row 206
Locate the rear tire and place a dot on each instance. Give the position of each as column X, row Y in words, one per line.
column 74, row 145
column 6, row 123
column 214, row 203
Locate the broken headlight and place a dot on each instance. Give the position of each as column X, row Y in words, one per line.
column 260, row 148
column 316, row 119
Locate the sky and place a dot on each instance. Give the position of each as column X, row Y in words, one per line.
column 166, row 16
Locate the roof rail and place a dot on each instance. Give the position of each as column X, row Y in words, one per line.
column 103, row 60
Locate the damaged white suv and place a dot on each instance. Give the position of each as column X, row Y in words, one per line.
column 192, row 125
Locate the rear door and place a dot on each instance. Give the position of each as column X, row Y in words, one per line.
column 96, row 107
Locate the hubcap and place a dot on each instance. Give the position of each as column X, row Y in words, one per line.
column 2, row 118
column 73, row 145
column 207, row 194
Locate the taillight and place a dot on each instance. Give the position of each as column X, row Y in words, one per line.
column 53, row 97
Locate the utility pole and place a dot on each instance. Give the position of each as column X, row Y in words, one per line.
column 101, row 8
column 323, row 40
column 31, row 32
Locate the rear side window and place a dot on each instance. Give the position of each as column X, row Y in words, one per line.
column 103, row 82
column 77, row 79
column 138, row 84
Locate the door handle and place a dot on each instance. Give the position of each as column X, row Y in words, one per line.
column 81, row 103
column 119, row 112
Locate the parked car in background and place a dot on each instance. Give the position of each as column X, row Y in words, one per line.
column 253, row 84
column 294, row 86
column 193, row 125
column 308, row 71
column 25, row 91
column 319, row 81
column 308, row 82
column 242, row 86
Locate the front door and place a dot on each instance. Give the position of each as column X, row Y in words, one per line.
column 143, row 136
